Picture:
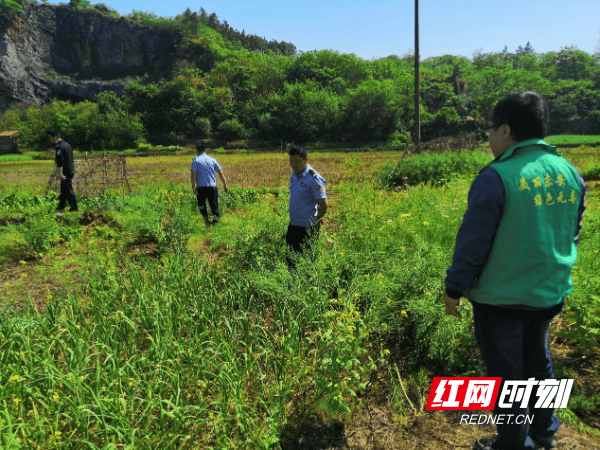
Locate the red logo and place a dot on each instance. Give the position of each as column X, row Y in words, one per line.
column 463, row 393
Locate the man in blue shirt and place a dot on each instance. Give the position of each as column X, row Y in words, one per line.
column 204, row 183
column 308, row 203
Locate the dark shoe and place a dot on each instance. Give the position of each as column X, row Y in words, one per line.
column 544, row 442
column 486, row 444
column 73, row 210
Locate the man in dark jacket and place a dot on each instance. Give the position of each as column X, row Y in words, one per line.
column 65, row 163
column 514, row 253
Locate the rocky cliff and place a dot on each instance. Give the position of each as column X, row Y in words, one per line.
column 58, row 52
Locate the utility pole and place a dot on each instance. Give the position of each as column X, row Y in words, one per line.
column 417, row 87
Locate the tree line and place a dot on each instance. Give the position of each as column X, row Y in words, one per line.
column 221, row 89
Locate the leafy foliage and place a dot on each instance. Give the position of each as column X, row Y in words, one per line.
column 434, row 168
column 84, row 125
column 10, row 7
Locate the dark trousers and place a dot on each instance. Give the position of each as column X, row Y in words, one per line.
column 299, row 239
column 210, row 193
column 67, row 194
column 517, row 349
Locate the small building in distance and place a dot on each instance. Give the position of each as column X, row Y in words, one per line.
column 9, row 142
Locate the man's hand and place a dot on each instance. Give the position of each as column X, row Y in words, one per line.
column 226, row 188
column 451, row 304
column 63, row 177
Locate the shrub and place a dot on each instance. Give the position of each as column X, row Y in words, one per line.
column 10, row 7
column 592, row 174
column 432, row 168
column 231, row 129
column 202, row 127
column 42, row 233
column 13, row 246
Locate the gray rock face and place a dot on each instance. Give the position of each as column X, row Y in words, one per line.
column 97, row 52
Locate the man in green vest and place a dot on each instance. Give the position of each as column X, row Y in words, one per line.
column 513, row 256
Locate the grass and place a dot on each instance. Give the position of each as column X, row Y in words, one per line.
column 132, row 325
column 568, row 140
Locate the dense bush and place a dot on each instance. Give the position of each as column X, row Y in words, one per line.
column 202, row 127
column 434, row 168
column 231, row 130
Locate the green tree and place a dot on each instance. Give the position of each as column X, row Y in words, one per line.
column 303, row 113
column 489, row 84
column 571, row 63
column 325, row 66
column 374, row 109
column 10, row 7
column 80, row 4
column 572, row 101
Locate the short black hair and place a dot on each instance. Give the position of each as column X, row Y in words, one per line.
column 294, row 149
column 53, row 133
column 200, row 147
column 525, row 112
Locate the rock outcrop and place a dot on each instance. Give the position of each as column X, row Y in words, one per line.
column 58, row 52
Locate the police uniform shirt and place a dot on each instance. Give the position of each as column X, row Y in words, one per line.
column 305, row 190
column 64, row 158
column 205, row 168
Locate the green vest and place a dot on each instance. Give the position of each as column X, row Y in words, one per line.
column 533, row 251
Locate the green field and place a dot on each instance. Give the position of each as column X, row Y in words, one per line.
column 573, row 140
column 131, row 325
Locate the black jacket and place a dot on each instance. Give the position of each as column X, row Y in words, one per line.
column 64, row 159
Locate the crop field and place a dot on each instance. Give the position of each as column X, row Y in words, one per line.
column 243, row 170
column 130, row 325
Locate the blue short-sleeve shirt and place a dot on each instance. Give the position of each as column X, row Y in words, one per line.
column 205, row 168
column 305, row 189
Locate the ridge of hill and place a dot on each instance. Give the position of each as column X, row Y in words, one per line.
column 70, row 53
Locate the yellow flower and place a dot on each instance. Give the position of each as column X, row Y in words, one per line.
column 425, row 223
column 403, row 313
column 386, row 352
column 22, row 262
column 57, row 433
column 55, row 397
column 23, row 275
column 428, row 294
column 404, row 215
column 14, row 378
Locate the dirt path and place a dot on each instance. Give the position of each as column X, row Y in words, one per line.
column 373, row 428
